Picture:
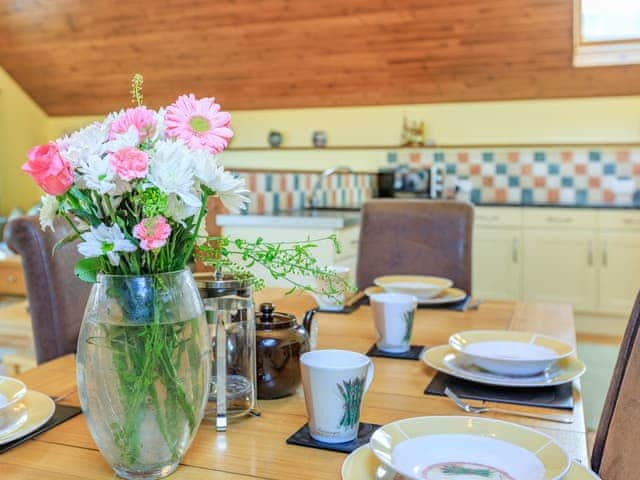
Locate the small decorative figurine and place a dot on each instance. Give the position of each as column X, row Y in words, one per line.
column 275, row 138
column 413, row 134
column 319, row 139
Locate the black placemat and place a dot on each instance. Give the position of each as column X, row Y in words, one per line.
column 304, row 439
column 560, row 396
column 62, row 414
column 414, row 353
column 459, row 306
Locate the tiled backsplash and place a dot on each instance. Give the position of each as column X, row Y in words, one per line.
column 566, row 176
column 571, row 176
column 274, row 191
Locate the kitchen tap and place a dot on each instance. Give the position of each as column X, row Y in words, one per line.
column 314, row 201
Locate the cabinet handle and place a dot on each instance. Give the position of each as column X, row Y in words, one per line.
column 605, row 254
column 514, row 250
column 590, row 254
column 631, row 221
column 559, row 219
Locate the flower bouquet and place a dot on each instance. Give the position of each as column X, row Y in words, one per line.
column 134, row 189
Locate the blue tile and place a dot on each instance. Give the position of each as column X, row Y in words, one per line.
column 487, row 157
column 594, row 156
column 276, row 202
column 268, row 182
column 527, row 195
column 501, row 168
column 359, row 196
column 303, row 199
column 539, row 157
column 339, row 180
column 325, row 198
column 514, row 181
column 296, row 181
column 450, row 168
column 476, row 195
column 392, row 157
column 438, row 157
column 567, row 181
column 343, row 197
column 553, row 168
column 609, row 168
column 581, row 197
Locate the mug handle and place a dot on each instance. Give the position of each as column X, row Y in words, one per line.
column 369, row 379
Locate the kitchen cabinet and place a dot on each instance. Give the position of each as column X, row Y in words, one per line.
column 559, row 267
column 497, row 263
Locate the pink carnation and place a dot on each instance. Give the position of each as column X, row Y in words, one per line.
column 141, row 118
column 50, row 171
column 199, row 123
column 130, row 163
column 152, row 232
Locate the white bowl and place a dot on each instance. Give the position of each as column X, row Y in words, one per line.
column 13, row 412
column 510, row 353
column 420, row 286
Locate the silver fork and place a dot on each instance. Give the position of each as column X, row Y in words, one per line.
column 471, row 409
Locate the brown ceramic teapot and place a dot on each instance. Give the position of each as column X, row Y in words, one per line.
column 280, row 340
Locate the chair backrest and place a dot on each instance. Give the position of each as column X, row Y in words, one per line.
column 56, row 297
column 613, row 454
column 419, row 237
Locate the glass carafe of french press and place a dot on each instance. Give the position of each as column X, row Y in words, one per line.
column 230, row 314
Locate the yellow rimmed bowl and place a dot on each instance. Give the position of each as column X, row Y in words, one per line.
column 430, row 448
column 510, row 353
column 13, row 412
column 420, row 286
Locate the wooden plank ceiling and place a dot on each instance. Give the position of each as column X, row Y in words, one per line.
column 76, row 57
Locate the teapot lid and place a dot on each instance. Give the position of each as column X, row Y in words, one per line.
column 268, row 319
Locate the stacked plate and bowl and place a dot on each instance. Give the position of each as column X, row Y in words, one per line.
column 428, row 290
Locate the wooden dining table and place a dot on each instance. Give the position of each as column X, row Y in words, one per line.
column 256, row 448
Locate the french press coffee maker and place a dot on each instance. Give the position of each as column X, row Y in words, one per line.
column 229, row 309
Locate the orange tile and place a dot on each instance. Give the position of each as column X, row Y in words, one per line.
column 283, row 183
column 463, row 157
column 594, row 182
column 501, row 195
column 527, row 169
column 513, row 157
column 539, row 181
column 580, row 169
column 252, row 181
column 487, row 181
column 608, row 196
column 260, row 203
column 622, row 156
column 474, row 168
column 567, row 157
column 553, row 195
column 414, row 157
column 636, row 168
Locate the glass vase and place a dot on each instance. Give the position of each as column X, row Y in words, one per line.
column 143, row 368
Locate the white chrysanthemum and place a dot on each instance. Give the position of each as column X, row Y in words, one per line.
column 171, row 170
column 158, row 133
column 95, row 173
column 230, row 189
column 48, row 211
column 178, row 210
column 80, row 145
column 131, row 138
column 103, row 240
column 205, row 166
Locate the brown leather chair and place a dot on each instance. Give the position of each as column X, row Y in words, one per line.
column 613, row 454
column 56, row 297
column 420, row 237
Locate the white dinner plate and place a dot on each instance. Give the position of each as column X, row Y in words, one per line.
column 448, row 295
column 443, row 447
column 422, row 287
column 40, row 409
column 447, row 360
column 362, row 464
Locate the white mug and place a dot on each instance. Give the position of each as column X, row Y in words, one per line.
column 331, row 302
column 334, row 383
column 393, row 315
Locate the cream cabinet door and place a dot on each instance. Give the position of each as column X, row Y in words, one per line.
column 619, row 271
column 560, row 267
column 497, row 263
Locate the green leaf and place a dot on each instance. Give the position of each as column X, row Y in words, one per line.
column 87, row 269
column 64, row 241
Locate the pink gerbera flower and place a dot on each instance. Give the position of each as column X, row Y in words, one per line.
column 199, row 123
column 152, row 232
column 141, row 118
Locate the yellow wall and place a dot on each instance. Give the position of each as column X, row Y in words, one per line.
column 22, row 125
column 583, row 120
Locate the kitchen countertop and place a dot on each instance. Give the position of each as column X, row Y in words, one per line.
column 324, row 218
column 557, row 205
